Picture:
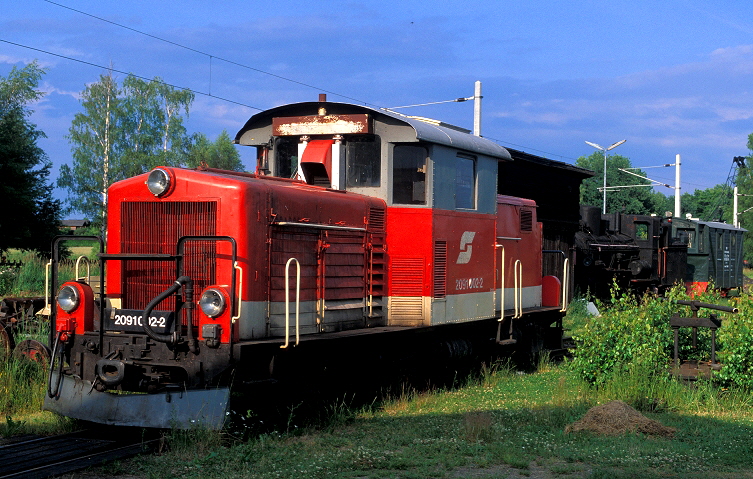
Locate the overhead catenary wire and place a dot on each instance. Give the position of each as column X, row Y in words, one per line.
column 212, row 57
column 209, row 55
column 128, row 73
column 258, row 70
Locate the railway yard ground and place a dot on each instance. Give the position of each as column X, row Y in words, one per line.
column 501, row 423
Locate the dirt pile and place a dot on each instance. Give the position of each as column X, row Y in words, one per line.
column 615, row 418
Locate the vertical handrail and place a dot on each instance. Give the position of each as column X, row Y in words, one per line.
column 518, row 289
column 240, row 289
column 565, row 285
column 502, row 280
column 371, row 281
column 88, row 268
column 297, row 302
column 46, row 310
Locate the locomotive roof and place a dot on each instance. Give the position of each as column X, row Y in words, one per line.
column 426, row 130
column 721, row 226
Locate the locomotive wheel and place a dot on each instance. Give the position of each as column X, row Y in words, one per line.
column 32, row 350
column 6, row 341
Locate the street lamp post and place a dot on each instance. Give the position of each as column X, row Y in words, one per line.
column 604, row 150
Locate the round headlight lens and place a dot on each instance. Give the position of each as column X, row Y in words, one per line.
column 212, row 302
column 68, row 298
column 158, row 181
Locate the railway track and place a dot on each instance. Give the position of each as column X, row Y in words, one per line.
column 41, row 457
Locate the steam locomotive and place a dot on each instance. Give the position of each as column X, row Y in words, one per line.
column 360, row 228
column 641, row 252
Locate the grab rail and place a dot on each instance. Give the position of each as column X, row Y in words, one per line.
column 240, row 290
column 297, row 303
column 565, row 285
column 518, row 289
column 88, row 268
column 502, row 280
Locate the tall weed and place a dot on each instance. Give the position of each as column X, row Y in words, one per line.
column 22, row 385
column 29, row 279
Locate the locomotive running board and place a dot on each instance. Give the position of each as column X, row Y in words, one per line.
column 176, row 409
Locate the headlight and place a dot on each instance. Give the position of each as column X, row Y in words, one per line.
column 212, row 302
column 158, row 181
column 68, row 298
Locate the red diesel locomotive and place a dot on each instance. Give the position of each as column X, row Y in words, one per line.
column 358, row 225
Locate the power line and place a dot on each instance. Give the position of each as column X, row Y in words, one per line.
column 129, row 73
column 231, row 62
column 527, row 149
column 210, row 56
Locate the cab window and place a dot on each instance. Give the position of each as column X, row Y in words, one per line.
column 363, row 156
column 465, row 182
column 409, row 175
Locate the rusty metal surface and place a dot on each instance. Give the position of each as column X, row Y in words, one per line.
column 321, row 125
column 692, row 370
column 257, row 129
column 13, row 310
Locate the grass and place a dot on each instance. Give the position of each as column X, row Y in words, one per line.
column 29, row 279
column 501, row 422
column 22, row 389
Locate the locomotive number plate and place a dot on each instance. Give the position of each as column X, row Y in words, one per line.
column 132, row 320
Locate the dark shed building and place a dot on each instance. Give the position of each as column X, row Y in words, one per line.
column 555, row 186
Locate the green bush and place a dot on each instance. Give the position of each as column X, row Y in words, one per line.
column 7, row 281
column 635, row 333
column 735, row 342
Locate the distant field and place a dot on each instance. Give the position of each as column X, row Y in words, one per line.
column 77, row 251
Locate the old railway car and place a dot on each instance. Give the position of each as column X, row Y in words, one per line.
column 714, row 254
column 360, row 229
column 648, row 252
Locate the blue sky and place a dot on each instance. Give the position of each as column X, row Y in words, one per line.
column 671, row 77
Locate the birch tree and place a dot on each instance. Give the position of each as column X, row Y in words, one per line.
column 122, row 132
column 95, row 147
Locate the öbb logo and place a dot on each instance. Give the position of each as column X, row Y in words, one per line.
column 466, row 248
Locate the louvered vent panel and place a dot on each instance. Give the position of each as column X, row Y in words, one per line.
column 440, row 269
column 407, row 277
column 406, row 308
column 154, row 228
column 376, row 219
column 526, row 220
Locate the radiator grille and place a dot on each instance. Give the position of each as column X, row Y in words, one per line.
column 154, row 228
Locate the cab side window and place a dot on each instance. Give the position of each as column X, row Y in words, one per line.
column 409, row 175
column 465, row 182
column 363, row 155
column 286, row 157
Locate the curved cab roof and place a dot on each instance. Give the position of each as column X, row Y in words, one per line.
column 425, row 130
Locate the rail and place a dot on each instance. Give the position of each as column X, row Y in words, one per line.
column 88, row 268
column 237, row 268
column 297, row 303
column 502, row 281
column 565, row 285
column 518, row 289
column 565, row 278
